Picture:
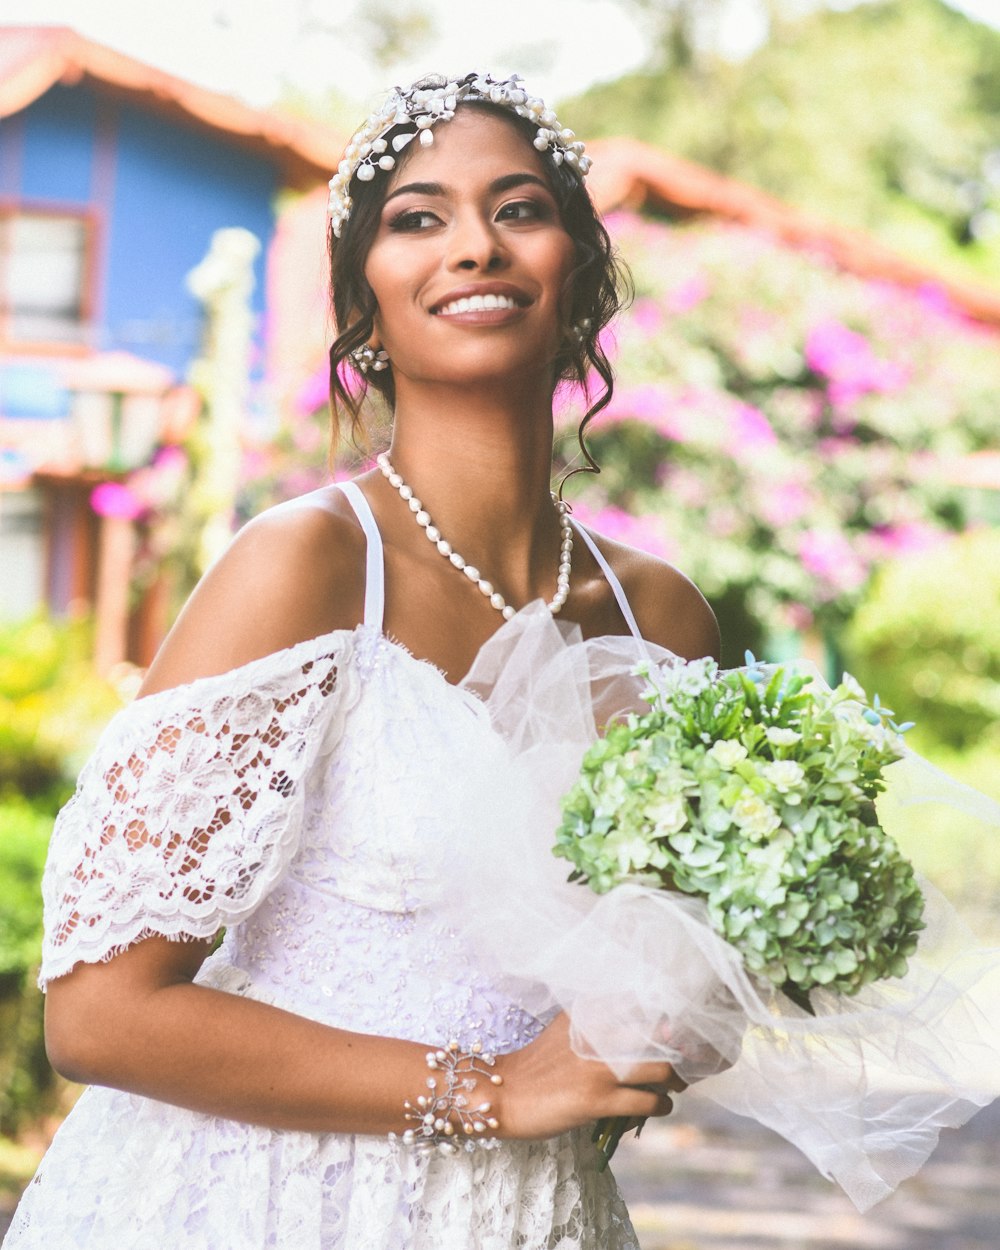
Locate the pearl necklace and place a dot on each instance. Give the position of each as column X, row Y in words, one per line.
column 423, row 519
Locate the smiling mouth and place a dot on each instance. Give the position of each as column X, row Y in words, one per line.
column 476, row 303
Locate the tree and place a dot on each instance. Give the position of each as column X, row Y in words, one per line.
column 884, row 117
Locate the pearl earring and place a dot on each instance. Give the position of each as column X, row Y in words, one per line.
column 580, row 330
column 366, row 358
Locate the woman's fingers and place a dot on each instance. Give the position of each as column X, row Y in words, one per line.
column 640, row 1104
column 654, row 1076
column 549, row 1088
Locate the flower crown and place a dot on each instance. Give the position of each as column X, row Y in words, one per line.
column 421, row 106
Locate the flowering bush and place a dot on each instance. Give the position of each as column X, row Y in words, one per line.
column 774, row 417
column 755, row 793
column 155, row 497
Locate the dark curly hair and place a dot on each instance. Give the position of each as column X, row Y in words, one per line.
column 598, row 287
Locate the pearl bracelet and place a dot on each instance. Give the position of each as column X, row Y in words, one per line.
column 444, row 1120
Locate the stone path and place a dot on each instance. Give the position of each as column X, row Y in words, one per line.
column 705, row 1181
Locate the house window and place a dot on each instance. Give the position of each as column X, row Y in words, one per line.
column 43, row 269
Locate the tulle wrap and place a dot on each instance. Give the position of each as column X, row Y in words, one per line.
column 863, row 1088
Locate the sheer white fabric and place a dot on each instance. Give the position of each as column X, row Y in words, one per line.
column 863, row 1088
column 297, row 801
column 191, row 806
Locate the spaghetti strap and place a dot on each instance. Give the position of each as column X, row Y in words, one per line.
column 613, row 582
column 375, row 569
column 374, row 563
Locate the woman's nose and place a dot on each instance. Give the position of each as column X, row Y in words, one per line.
column 474, row 245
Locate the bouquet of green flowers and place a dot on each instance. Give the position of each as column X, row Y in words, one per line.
column 753, row 789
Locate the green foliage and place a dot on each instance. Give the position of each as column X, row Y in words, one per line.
column 24, row 839
column 928, row 635
column 25, row 1076
column 884, row 117
column 27, row 1082
column 52, row 706
column 959, row 853
column 18, row 1163
column 392, row 31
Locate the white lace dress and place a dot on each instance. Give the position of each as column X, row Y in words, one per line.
column 295, row 801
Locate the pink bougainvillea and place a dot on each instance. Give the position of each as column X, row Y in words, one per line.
column 906, row 538
column 847, row 359
column 688, row 295
column 648, row 316
column 118, row 501
column 833, row 561
column 751, row 429
column 645, row 532
column 788, row 410
column 314, row 394
column 256, row 463
column 786, row 503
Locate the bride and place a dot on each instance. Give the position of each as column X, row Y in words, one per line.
column 288, row 770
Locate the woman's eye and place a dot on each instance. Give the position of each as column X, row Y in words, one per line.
column 413, row 219
column 520, row 210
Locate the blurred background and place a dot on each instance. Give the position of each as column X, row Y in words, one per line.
column 807, row 415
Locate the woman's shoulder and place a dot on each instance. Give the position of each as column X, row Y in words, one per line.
column 294, row 572
column 669, row 608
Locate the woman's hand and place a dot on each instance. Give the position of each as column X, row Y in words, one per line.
column 547, row 1088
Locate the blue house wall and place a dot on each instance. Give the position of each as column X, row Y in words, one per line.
column 158, row 191
column 57, row 141
column 172, row 189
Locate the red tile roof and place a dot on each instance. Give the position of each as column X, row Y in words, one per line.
column 626, row 173
column 631, row 174
column 35, row 58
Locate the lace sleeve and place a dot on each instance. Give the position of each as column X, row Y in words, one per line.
column 190, row 808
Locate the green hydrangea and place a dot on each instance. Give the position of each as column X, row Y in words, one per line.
column 754, row 791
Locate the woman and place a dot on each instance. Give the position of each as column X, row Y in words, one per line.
column 287, row 770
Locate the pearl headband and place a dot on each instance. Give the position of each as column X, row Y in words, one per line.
column 421, row 106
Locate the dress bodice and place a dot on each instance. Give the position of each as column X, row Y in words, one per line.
column 349, row 936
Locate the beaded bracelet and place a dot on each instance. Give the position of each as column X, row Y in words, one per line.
column 444, row 1120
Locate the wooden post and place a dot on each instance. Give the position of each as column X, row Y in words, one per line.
column 111, row 599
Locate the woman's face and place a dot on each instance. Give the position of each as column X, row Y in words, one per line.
column 470, row 259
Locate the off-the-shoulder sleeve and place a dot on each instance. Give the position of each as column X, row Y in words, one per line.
column 190, row 808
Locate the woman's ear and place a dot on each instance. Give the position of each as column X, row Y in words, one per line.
column 374, row 338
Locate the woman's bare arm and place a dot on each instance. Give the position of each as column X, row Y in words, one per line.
column 138, row 1023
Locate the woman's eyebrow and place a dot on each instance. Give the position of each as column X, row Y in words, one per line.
column 504, row 183
column 508, row 181
column 418, row 188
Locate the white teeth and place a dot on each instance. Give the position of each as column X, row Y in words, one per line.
column 476, row 303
